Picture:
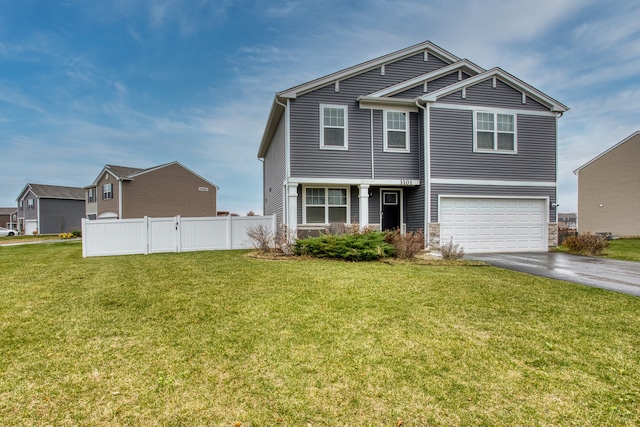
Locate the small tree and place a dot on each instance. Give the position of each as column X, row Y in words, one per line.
column 408, row 244
column 450, row 251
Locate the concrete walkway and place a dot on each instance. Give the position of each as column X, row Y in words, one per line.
column 614, row 275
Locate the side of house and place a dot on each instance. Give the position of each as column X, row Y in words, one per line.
column 9, row 218
column 161, row 191
column 417, row 139
column 609, row 190
column 50, row 209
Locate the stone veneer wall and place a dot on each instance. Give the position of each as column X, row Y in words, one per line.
column 434, row 235
column 553, row 234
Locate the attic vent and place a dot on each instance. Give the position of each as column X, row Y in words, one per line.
column 425, row 89
column 203, row 189
column 464, row 92
column 459, row 74
column 493, row 82
column 524, row 98
column 337, row 86
column 426, row 55
column 382, row 70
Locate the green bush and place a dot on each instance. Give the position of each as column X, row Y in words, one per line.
column 586, row 244
column 76, row 233
column 369, row 246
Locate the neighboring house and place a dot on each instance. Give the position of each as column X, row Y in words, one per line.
column 160, row 191
column 50, row 209
column 416, row 139
column 609, row 190
column 568, row 220
column 9, row 218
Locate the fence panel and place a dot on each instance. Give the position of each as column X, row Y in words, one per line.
column 153, row 235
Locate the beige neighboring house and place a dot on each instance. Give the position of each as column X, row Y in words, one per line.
column 160, row 191
column 609, row 190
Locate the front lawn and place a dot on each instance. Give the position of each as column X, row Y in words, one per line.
column 625, row 249
column 223, row 339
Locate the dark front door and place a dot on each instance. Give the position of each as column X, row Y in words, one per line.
column 390, row 209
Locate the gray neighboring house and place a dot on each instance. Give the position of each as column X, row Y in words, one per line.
column 50, row 209
column 416, row 139
column 568, row 220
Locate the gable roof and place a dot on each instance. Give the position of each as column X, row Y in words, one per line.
column 44, row 191
column 504, row 77
column 630, row 137
column 277, row 107
column 126, row 173
column 8, row 211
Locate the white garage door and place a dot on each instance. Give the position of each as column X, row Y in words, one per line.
column 494, row 225
column 30, row 226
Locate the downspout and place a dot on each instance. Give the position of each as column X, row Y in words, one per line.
column 38, row 216
column 120, row 199
column 427, row 171
column 287, row 166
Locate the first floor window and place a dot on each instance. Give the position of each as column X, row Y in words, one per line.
column 30, row 204
column 91, row 195
column 107, row 191
column 495, row 132
column 396, row 134
column 333, row 127
column 326, row 205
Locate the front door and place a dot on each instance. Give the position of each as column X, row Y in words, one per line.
column 390, row 209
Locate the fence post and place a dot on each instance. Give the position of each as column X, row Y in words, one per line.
column 229, row 232
column 178, row 234
column 146, row 235
column 83, row 229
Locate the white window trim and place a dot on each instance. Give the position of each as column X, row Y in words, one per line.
column 31, row 204
column 385, row 134
column 495, row 132
column 346, row 127
column 326, row 204
column 109, row 192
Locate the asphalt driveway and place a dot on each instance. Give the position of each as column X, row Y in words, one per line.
column 614, row 275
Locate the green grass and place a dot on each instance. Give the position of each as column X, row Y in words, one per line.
column 218, row 338
column 625, row 249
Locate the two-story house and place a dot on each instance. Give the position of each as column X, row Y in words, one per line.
column 160, row 191
column 416, row 139
column 50, row 209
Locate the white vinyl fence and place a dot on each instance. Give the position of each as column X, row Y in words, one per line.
column 104, row 237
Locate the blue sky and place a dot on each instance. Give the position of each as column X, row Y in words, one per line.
column 145, row 82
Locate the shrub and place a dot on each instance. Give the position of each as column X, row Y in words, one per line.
column 76, row 233
column 369, row 246
column 267, row 241
column 450, row 251
column 407, row 245
column 586, row 244
column 65, row 235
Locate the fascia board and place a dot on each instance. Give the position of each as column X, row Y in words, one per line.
column 22, row 193
column 270, row 127
column 633, row 135
column 369, row 65
column 463, row 65
column 368, row 101
column 505, row 77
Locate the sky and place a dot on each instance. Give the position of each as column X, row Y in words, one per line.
column 145, row 82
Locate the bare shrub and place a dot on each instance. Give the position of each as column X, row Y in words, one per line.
column 450, row 251
column 407, row 245
column 586, row 244
column 261, row 237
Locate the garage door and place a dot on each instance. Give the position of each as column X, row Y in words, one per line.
column 494, row 225
column 30, row 226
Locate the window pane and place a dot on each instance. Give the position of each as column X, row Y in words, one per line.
column 485, row 140
column 505, row 141
column 505, row 123
column 315, row 196
column 484, row 121
column 338, row 214
column 337, row 196
column 334, row 137
column 333, row 117
column 396, row 120
column 315, row 215
column 396, row 139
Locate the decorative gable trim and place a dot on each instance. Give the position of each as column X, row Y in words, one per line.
column 462, row 65
column 504, row 77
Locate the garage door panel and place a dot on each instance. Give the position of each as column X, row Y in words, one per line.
column 494, row 225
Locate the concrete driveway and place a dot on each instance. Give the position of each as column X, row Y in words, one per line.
column 614, row 275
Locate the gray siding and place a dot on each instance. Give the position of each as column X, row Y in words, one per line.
column 415, row 196
column 490, row 191
column 452, row 154
column 390, row 165
column 274, row 174
column 308, row 160
column 502, row 96
column 432, row 86
column 58, row 216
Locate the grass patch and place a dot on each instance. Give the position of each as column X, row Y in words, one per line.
column 27, row 239
column 624, row 249
column 218, row 338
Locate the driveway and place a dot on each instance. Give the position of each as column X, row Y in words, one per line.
column 614, row 275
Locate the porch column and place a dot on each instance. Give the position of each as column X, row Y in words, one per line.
column 292, row 210
column 364, row 205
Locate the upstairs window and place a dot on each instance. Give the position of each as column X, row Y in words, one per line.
column 396, row 135
column 91, row 195
column 325, row 205
column 495, row 132
column 30, row 204
column 107, row 191
column 333, row 123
